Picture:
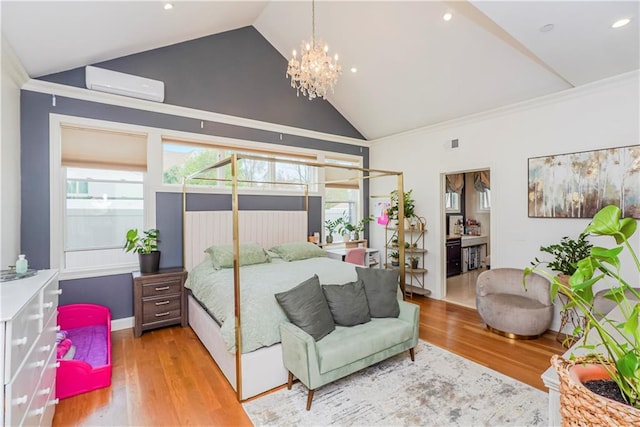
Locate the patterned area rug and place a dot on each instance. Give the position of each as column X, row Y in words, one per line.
column 438, row 389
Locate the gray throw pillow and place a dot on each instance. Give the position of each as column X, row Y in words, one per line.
column 381, row 288
column 348, row 303
column 307, row 308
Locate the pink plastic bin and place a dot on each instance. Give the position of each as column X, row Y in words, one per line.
column 76, row 376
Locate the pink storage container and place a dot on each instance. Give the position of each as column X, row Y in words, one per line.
column 85, row 324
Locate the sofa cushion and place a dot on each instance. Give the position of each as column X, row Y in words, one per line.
column 348, row 303
column 306, row 307
column 346, row 345
column 381, row 288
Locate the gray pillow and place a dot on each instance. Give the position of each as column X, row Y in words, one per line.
column 348, row 303
column 381, row 288
column 307, row 308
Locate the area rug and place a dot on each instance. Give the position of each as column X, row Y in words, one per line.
column 438, row 389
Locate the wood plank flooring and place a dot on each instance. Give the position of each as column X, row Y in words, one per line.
column 167, row 378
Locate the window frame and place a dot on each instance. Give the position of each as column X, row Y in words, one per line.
column 57, row 201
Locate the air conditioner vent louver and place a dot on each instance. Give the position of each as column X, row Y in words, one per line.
column 124, row 84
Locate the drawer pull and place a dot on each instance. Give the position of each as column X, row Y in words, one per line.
column 39, row 363
column 36, row 316
column 48, row 305
column 162, row 303
column 163, row 314
column 44, row 391
column 20, row 341
column 53, row 402
column 21, row 400
column 45, row 348
column 57, row 292
column 58, row 328
column 57, row 364
column 39, row 411
column 163, row 288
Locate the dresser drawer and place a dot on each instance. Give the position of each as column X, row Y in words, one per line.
column 23, row 331
column 159, row 309
column 21, row 390
column 44, row 392
column 162, row 287
column 50, row 294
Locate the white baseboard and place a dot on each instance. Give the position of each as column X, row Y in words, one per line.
column 124, row 323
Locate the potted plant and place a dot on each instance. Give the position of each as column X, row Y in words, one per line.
column 566, row 255
column 331, row 225
column 395, row 258
column 408, row 203
column 146, row 246
column 359, row 228
column 414, row 260
column 618, row 351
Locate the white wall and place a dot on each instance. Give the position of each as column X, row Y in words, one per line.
column 13, row 76
column 603, row 114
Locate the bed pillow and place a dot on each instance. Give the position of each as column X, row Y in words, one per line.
column 348, row 303
column 296, row 251
column 250, row 253
column 306, row 307
column 381, row 288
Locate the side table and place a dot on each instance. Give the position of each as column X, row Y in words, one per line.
column 159, row 299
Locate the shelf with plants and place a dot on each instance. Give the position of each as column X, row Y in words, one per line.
column 414, row 252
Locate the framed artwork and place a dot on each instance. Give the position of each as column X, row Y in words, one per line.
column 578, row 185
column 379, row 209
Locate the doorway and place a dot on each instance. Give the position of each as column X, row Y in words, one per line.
column 466, row 233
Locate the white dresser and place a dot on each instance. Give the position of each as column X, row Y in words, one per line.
column 28, row 317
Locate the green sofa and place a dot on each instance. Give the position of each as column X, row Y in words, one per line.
column 347, row 349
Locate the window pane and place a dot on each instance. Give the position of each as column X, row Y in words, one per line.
column 341, row 202
column 101, row 205
column 183, row 159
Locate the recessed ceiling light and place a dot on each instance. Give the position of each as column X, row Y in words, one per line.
column 168, row 6
column 354, row 70
column 447, row 16
column 546, row 28
column 620, row 23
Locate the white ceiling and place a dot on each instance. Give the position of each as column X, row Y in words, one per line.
column 414, row 69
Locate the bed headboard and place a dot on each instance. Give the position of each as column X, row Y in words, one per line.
column 267, row 228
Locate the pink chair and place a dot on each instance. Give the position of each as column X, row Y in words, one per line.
column 356, row 256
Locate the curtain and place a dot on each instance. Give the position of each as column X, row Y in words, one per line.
column 455, row 183
column 481, row 181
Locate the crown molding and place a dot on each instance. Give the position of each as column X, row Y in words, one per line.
column 576, row 92
column 12, row 65
column 41, row 86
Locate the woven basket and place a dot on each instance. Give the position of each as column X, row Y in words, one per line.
column 580, row 406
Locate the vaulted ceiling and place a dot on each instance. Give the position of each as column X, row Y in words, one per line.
column 414, row 69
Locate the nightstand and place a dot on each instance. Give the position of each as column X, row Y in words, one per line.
column 159, row 299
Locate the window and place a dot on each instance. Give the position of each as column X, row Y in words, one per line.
column 100, row 206
column 97, row 194
column 342, row 192
column 484, row 200
column 452, row 201
column 182, row 158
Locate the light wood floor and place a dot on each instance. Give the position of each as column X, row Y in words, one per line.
column 166, row 377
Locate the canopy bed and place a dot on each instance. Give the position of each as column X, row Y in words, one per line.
column 232, row 286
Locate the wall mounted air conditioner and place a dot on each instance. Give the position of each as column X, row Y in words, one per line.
column 124, row 84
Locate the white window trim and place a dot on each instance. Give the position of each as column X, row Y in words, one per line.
column 57, row 185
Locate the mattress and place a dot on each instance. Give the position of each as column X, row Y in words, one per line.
column 260, row 313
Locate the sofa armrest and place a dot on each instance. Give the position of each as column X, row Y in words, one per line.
column 299, row 353
column 410, row 313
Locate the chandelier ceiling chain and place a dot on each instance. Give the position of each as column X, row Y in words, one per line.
column 316, row 72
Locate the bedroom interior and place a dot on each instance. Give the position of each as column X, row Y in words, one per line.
column 495, row 83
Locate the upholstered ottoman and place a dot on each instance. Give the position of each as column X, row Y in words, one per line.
column 508, row 308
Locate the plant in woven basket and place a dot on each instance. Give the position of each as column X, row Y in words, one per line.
column 619, row 351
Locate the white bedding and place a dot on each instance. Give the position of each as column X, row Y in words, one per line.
column 260, row 313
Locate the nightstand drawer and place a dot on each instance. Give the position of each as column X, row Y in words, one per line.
column 159, row 309
column 162, row 287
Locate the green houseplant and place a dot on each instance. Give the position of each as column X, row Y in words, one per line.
column 566, row 254
column 395, row 258
column 408, row 203
column 619, row 351
column 331, row 225
column 359, row 227
column 146, row 246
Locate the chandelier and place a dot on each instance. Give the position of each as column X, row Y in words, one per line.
column 315, row 72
